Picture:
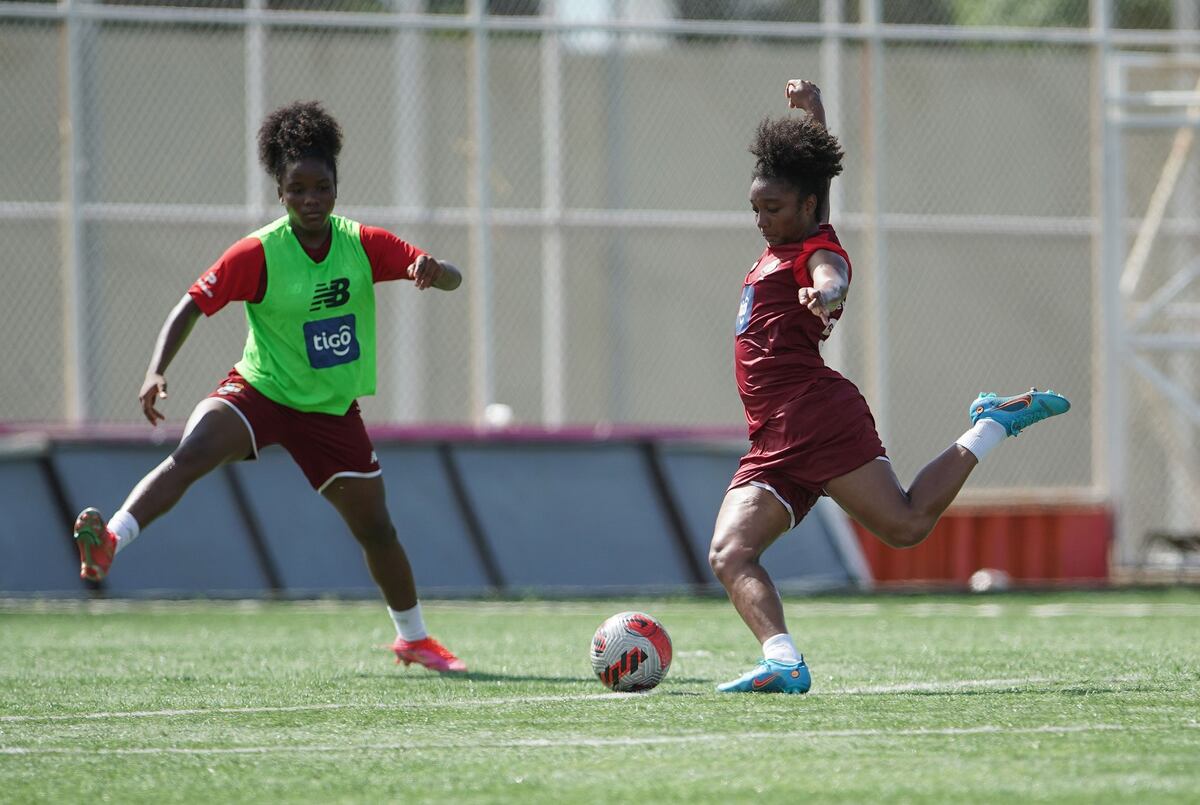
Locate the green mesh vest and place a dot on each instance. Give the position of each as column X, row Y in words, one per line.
column 311, row 344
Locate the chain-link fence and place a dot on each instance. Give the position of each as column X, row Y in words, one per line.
column 585, row 162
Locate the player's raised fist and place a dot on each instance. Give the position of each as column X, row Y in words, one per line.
column 802, row 94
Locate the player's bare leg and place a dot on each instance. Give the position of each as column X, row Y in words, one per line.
column 362, row 502
column 214, row 435
column 873, row 496
column 750, row 519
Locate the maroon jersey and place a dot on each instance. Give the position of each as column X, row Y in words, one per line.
column 777, row 354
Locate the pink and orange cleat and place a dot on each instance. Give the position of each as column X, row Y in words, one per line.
column 97, row 545
column 430, row 653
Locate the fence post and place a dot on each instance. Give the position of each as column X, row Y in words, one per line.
column 76, row 37
column 875, row 170
column 255, row 58
column 554, row 333
column 480, row 281
column 831, row 90
column 409, row 120
column 1182, row 506
column 1108, row 418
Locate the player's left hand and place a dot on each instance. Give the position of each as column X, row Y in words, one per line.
column 424, row 272
column 802, row 94
column 812, row 299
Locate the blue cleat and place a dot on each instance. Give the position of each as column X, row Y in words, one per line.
column 1019, row 412
column 771, row 676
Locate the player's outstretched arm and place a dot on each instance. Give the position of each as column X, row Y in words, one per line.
column 170, row 338
column 806, row 95
column 427, row 272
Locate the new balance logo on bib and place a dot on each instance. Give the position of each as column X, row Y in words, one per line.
column 331, row 342
column 334, row 293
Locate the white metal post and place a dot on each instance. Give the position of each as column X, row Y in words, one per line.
column 483, row 375
column 872, row 17
column 255, row 71
column 74, row 171
column 553, row 291
column 1109, row 424
column 1101, row 125
column 616, row 198
column 1183, row 506
column 831, row 91
column 408, row 190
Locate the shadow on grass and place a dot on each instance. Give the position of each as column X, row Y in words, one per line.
column 491, row 676
column 415, row 675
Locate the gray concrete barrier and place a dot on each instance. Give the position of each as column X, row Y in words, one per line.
column 520, row 513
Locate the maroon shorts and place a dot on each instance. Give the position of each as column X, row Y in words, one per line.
column 325, row 446
column 813, row 438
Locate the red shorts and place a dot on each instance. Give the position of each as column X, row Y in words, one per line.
column 820, row 435
column 325, row 446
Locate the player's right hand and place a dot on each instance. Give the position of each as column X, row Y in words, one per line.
column 814, row 300
column 154, row 388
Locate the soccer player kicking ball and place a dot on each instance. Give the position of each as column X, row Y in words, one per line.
column 308, row 283
column 811, row 432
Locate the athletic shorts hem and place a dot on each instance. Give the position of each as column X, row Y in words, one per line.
column 322, row 445
column 791, row 512
column 337, row 475
column 253, row 440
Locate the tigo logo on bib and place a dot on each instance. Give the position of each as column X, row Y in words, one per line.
column 331, row 342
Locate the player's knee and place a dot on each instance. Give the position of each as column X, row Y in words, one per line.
column 728, row 558
column 376, row 535
column 907, row 533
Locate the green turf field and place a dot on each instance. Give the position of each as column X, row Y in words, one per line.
column 1082, row 697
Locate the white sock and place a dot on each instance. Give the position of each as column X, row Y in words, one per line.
column 124, row 527
column 781, row 649
column 409, row 623
column 982, row 437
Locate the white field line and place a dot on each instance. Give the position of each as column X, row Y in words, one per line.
column 1114, row 610
column 584, row 741
column 937, row 687
column 913, row 687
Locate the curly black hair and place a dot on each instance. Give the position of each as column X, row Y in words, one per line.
column 798, row 150
column 297, row 131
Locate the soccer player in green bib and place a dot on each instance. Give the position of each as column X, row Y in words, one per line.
column 307, row 281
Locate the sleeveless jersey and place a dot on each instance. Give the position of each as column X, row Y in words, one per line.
column 311, row 340
column 777, row 354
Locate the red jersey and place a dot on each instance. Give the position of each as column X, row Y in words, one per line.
column 777, row 345
column 240, row 275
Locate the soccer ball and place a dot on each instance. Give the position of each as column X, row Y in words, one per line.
column 631, row 651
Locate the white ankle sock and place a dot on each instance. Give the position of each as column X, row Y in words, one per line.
column 781, row 648
column 409, row 623
column 124, row 527
column 982, row 437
